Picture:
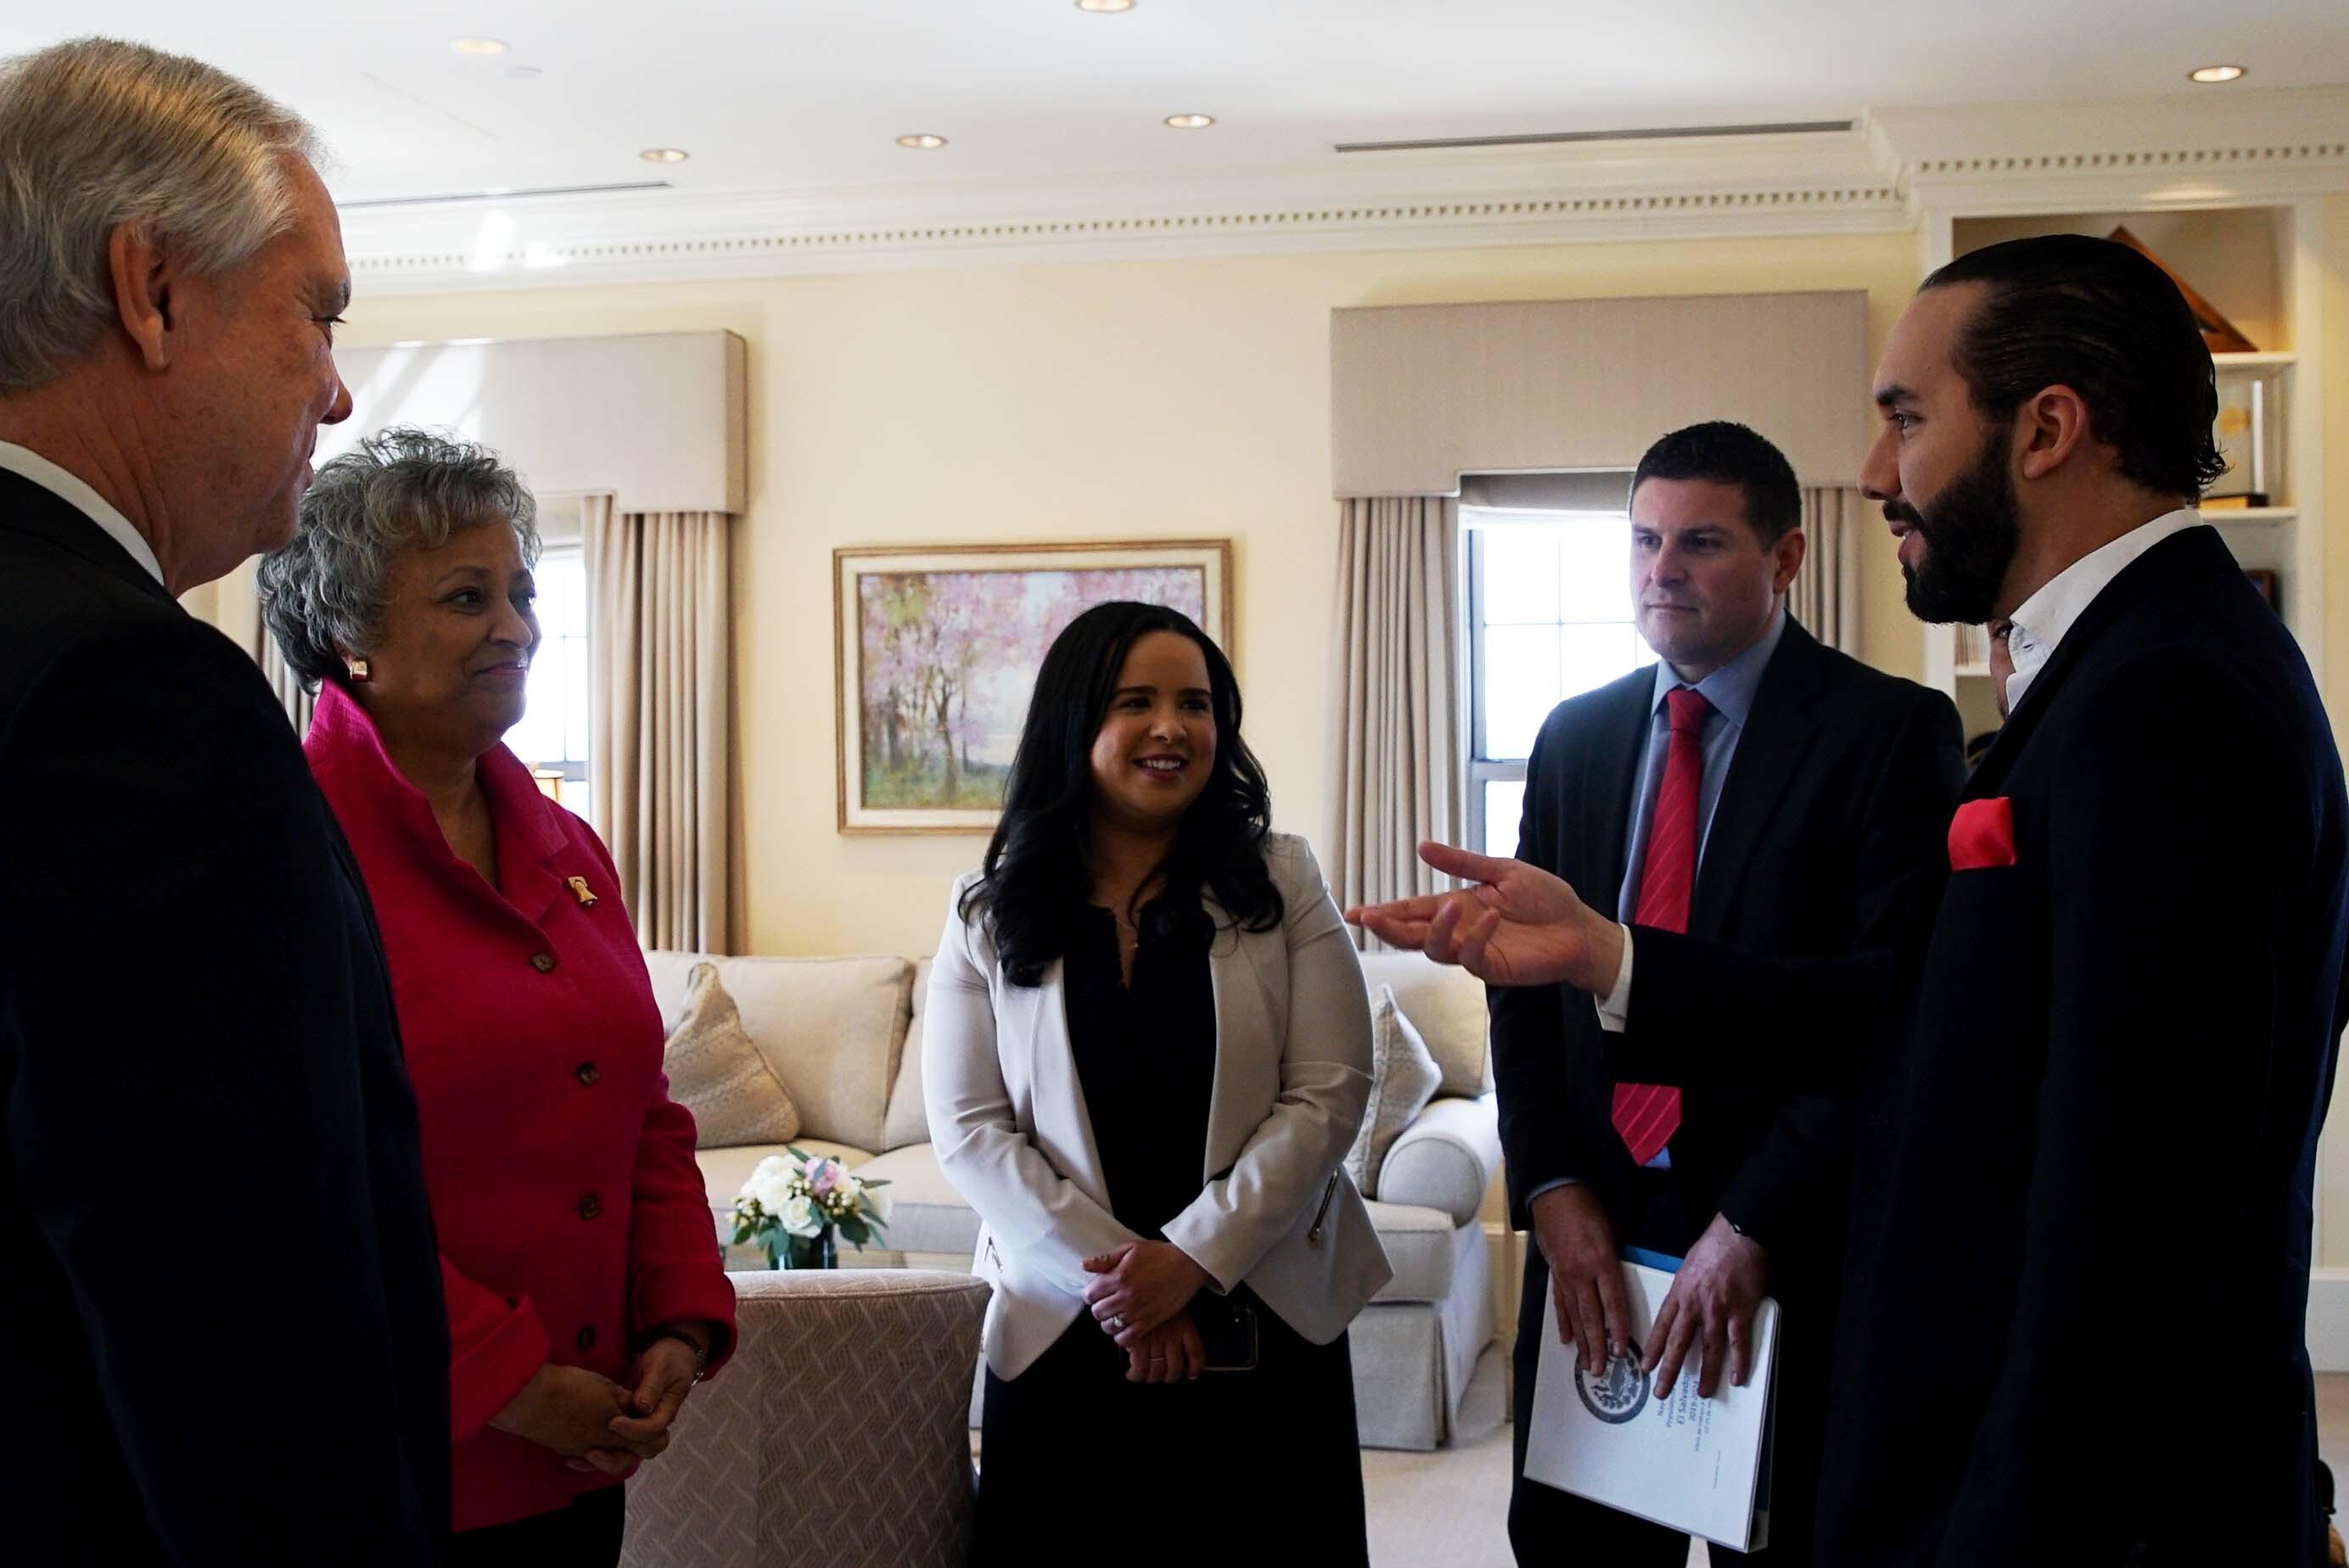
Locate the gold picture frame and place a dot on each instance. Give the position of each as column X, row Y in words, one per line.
column 935, row 647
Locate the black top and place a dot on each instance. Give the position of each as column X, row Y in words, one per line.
column 1147, row 1058
column 189, row 963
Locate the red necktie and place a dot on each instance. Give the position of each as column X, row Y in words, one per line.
column 1647, row 1114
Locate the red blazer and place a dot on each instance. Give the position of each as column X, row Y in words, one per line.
column 571, row 1214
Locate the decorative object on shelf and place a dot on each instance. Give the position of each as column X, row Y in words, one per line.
column 2265, row 581
column 2218, row 334
column 797, row 1206
column 2243, row 501
column 937, row 650
column 2242, row 430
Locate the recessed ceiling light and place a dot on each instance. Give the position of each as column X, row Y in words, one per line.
column 480, row 47
column 664, row 155
column 1190, row 122
column 1105, row 5
column 2214, row 74
column 925, row 142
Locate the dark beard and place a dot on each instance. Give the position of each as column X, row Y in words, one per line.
column 1971, row 531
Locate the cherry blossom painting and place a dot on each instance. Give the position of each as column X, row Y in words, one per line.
column 939, row 651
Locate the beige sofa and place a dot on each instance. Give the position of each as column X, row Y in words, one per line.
column 845, row 1036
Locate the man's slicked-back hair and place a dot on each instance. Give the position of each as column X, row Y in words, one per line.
column 2069, row 310
column 98, row 133
column 1730, row 454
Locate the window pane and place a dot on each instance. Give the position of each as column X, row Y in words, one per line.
column 1520, row 574
column 1594, row 569
column 1505, row 802
column 1521, row 666
column 539, row 737
column 561, row 578
column 553, row 726
column 1590, row 656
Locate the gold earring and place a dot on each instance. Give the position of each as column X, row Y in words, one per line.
column 358, row 670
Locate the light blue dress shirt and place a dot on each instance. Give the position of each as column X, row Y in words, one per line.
column 1730, row 689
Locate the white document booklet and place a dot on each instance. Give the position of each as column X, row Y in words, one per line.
column 1683, row 1461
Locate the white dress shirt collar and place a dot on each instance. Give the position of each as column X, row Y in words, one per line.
column 26, row 463
column 2041, row 621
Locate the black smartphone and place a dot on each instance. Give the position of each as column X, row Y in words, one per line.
column 1229, row 1331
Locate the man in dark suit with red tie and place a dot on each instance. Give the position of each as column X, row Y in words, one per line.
column 1751, row 785
column 2073, row 1322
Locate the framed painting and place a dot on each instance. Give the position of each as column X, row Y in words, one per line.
column 936, row 650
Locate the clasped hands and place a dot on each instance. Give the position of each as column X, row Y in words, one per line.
column 1515, row 925
column 1140, row 1296
column 1709, row 1309
column 596, row 1424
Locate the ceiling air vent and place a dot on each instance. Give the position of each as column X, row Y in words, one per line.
column 1656, row 133
column 515, row 195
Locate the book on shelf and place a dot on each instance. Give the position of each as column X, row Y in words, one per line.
column 2242, row 502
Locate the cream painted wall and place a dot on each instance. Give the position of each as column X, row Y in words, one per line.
column 1132, row 399
column 2333, row 1248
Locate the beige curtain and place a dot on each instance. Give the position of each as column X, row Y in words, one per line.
column 240, row 616
column 297, row 702
column 660, row 674
column 1826, row 595
column 1396, row 758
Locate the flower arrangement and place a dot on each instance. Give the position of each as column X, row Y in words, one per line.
column 795, row 1202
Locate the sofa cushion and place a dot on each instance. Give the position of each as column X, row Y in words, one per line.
column 1403, row 1079
column 830, row 1028
column 909, row 1120
column 1447, row 1006
column 1446, row 1158
column 723, row 1171
column 716, row 1071
column 926, row 1213
column 1422, row 1247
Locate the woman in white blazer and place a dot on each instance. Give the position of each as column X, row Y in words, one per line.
column 1147, row 1051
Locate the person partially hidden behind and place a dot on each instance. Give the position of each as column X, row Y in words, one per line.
column 1754, row 787
column 219, row 1281
column 1995, row 632
column 584, row 1290
column 1148, row 1052
column 2058, row 1343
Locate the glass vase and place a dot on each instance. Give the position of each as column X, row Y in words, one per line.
column 787, row 1252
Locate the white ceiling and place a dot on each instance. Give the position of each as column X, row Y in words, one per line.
column 807, row 95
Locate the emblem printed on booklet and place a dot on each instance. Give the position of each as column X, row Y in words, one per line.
column 1620, row 1393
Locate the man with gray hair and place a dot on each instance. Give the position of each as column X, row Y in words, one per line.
column 223, row 1289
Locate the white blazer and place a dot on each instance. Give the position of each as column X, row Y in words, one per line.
column 1292, row 1077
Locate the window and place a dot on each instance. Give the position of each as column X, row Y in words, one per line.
column 1549, row 617
column 552, row 736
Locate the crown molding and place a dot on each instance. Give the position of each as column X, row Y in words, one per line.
column 1876, row 177
column 2186, row 151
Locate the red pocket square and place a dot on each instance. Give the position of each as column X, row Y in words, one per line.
column 1982, row 834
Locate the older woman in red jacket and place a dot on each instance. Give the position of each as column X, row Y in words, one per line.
column 584, row 1288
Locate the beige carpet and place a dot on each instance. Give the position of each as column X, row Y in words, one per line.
column 1449, row 1509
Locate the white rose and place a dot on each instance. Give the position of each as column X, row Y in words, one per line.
column 799, row 1216
column 770, row 1185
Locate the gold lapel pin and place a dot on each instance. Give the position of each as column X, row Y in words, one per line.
column 579, row 891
